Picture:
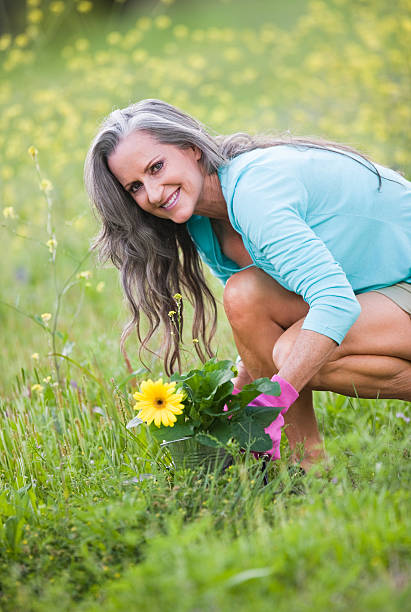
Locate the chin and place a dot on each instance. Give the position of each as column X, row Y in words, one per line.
column 181, row 216
column 179, row 220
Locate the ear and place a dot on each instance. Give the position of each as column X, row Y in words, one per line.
column 198, row 154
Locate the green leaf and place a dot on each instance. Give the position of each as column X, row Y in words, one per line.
column 180, row 430
column 208, row 385
column 258, row 387
column 250, row 434
column 222, row 430
column 267, row 386
column 49, row 397
column 14, row 531
column 249, row 392
column 223, row 392
column 262, row 412
column 207, row 439
column 247, row 428
column 221, row 397
column 239, row 401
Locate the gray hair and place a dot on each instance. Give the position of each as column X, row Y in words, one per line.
column 164, row 121
column 156, row 257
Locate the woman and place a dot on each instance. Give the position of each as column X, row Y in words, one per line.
column 311, row 239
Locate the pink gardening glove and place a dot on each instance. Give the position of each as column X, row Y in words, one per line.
column 286, row 398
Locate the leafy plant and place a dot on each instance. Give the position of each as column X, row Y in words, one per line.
column 207, row 391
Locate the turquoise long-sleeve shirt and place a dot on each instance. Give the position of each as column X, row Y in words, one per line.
column 318, row 222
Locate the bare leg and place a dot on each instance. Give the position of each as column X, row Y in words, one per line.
column 300, row 423
column 374, row 359
column 301, row 428
column 368, row 376
column 255, row 343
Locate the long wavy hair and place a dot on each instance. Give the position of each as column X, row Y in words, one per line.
column 156, row 257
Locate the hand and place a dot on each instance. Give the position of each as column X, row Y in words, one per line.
column 243, row 377
column 284, row 400
column 287, row 396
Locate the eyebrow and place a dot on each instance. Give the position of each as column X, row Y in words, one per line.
column 145, row 170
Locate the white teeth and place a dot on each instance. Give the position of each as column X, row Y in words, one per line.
column 172, row 201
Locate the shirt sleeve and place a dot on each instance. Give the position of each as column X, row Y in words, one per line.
column 270, row 207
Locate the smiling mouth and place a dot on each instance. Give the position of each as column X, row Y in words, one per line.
column 172, row 200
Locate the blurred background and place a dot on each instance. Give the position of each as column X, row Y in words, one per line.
column 337, row 69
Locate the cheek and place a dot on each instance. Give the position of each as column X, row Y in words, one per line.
column 139, row 201
column 198, row 178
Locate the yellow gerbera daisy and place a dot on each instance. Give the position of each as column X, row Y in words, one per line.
column 158, row 402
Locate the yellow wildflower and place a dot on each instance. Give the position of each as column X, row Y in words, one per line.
column 57, row 7
column 47, row 379
column 8, row 212
column 35, row 356
column 171, row 313
column 84, row 274
column 32, row 151
column 52, row 244
column 113, row 38
column 7, row 172
column 100, row 286
column 21, row 40
column 140, row 55
column 144, row 23
column 5, row 41
column 158, row 402
column 197, row 62
column 180, row 31
column 84, row 7
column 177, row 297
column 36, row 388
column 82, row 44
column 162, row 22
column 35, row 16
column 46, row 185
column 46, row 316
column 195, row 340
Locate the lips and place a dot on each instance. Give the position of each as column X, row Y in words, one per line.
column 172, row 200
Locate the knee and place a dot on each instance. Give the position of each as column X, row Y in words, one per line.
column 242, row 296
column 282, row 348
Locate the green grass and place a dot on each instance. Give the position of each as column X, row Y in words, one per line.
column 85, row 527
column 79, row 529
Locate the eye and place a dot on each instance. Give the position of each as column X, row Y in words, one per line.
column 156, row 167
column 135, row 187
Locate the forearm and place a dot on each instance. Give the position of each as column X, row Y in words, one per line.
column 309, row 353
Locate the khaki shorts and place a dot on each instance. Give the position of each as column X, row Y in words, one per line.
column 400, row 294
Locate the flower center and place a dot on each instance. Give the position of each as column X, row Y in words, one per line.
column 159, row 402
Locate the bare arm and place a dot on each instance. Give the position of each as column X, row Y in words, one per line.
column 309, row 353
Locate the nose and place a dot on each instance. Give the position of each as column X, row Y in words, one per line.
column 154, row 192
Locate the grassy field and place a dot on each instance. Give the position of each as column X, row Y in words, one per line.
column 91, row 516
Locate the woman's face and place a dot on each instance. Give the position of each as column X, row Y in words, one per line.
column 163, row 180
